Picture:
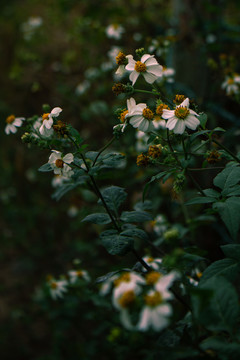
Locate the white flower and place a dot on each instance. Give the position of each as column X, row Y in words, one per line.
column 75, row 275
column 159, row 224
column 122, row 60
column 231, row 84
column 141, row 143
column 153, row 263
column 47, row 121
column 140, row 115
column 114, row 31
column 60, row 163
column 113, row 53
column 147, row 66
column 82, row 87
column 57, row 288
column 180, row 118
column 59, row 180
column 168, row 74
column 13, row 123
column 155, row 314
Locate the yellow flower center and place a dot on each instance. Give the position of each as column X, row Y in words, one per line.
column 159, row 109
column 152, row 277
column 140, row 67
column 79, row 273
column 120, row 58
column 181, row 112
column 53, row 285
column 122, row 115
column 199, row 274
column 150, row 259
column 154, row 300
column 123, row 278
column 59, row 163
column 45, row 116
column 179, row 99
column 10, row 119
column 148, row 114
column 127, row 299
column 230, row 81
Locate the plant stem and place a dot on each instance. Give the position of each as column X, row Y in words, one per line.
column 102, row 149
column 226, row 149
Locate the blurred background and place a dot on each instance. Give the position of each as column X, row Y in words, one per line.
column 62, row 53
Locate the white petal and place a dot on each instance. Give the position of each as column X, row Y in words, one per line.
column 155, row 70
column 56, row 111
column 167, row 114
column 17, row 122
column 165, row 309
column 151, row 61
column 143, row 125
column 150, row 78
column 179, row 127
column 68, row 158
column 145, row 57
column 159, row 322
column 131, row 103
column 171, row 123
column 48, row 123
column 144, row 319
column 185, row 103
column 131, row 64
column 120, row 70
column 126, row 320
column 191, row 122
column 134, row 76
column 193, row 112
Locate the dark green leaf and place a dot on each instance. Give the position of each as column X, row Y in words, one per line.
column 114, row 196
column 228, row 268
column 222, row 347
column 227, row 178
column 232, row 251
column 135, row 216
column 229, row 212
column 200, row 200
column 135, row 232
column 203, row 120
column 98, row 218
column 115, row 243
column 211, row 193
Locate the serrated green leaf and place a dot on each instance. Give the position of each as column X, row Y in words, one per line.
column 115, row 243
column 227, row 178
column 222, row 347
column 114, row 196
column 211, row 193
column 229, row 212
column 229, row 268
column 231, row 251
column 91, row 155
column 113, row 160
column 98, row 218
column 45, row 168
column 135, row 232
column 65, row 188
column 231, row 191
column 135, row 216
column 200, row 200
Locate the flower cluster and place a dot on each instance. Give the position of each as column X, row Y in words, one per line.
column 147, row 295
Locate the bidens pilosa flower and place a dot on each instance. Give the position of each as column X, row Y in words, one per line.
column 59, row 163
column 180, row 118
column 57, row 288
column 114, row 31
column 75, row 275
column 47, row 121
column 140, row 115
column 12, row 124
column 147, row 66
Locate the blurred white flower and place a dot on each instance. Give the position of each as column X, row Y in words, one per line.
column 72, row 211
column 142, row 139
column 82, row 87
column 231, row 84
column 153, row 262
column 147, row 66
column 75, row 275
column 28, row 27
column 59, row 163
column 180, row 118
column 13, row 123
column 114, row 31
column 57, row 288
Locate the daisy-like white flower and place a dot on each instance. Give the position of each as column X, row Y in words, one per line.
column 168, row 74
column 122, row 60
column 141, row 143
column 180, row 118
column 13, row 123
column 140, row 115
column 159, row 224
column 114, row 31
column 59, row 163
column 232, row 84
column 155, row 314
column 47, row 121
column 147, row 66
column 75, row 275
column 158, row 121
column 128, row 281
column 57, row 288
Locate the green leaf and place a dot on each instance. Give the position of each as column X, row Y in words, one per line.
column 198, row 133
column 231, row 251
column 135, row 232
column 203, row 120
column 227, row 178
column 46, row 167
column 211, row 193
column 115, row 160
column 91, row 155
column 114, row 196
column 135, row 216
column 229, row 212
column 115, row 243
column 228, row 268
column 98, row 218
column 231, row 191
column 215, row 304
column 224, row 349
column 75, row 135
column 65, row 188
column 200, row 200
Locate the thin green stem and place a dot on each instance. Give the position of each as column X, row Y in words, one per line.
column 146, row 92
column 102, row 149
column 227, row 150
